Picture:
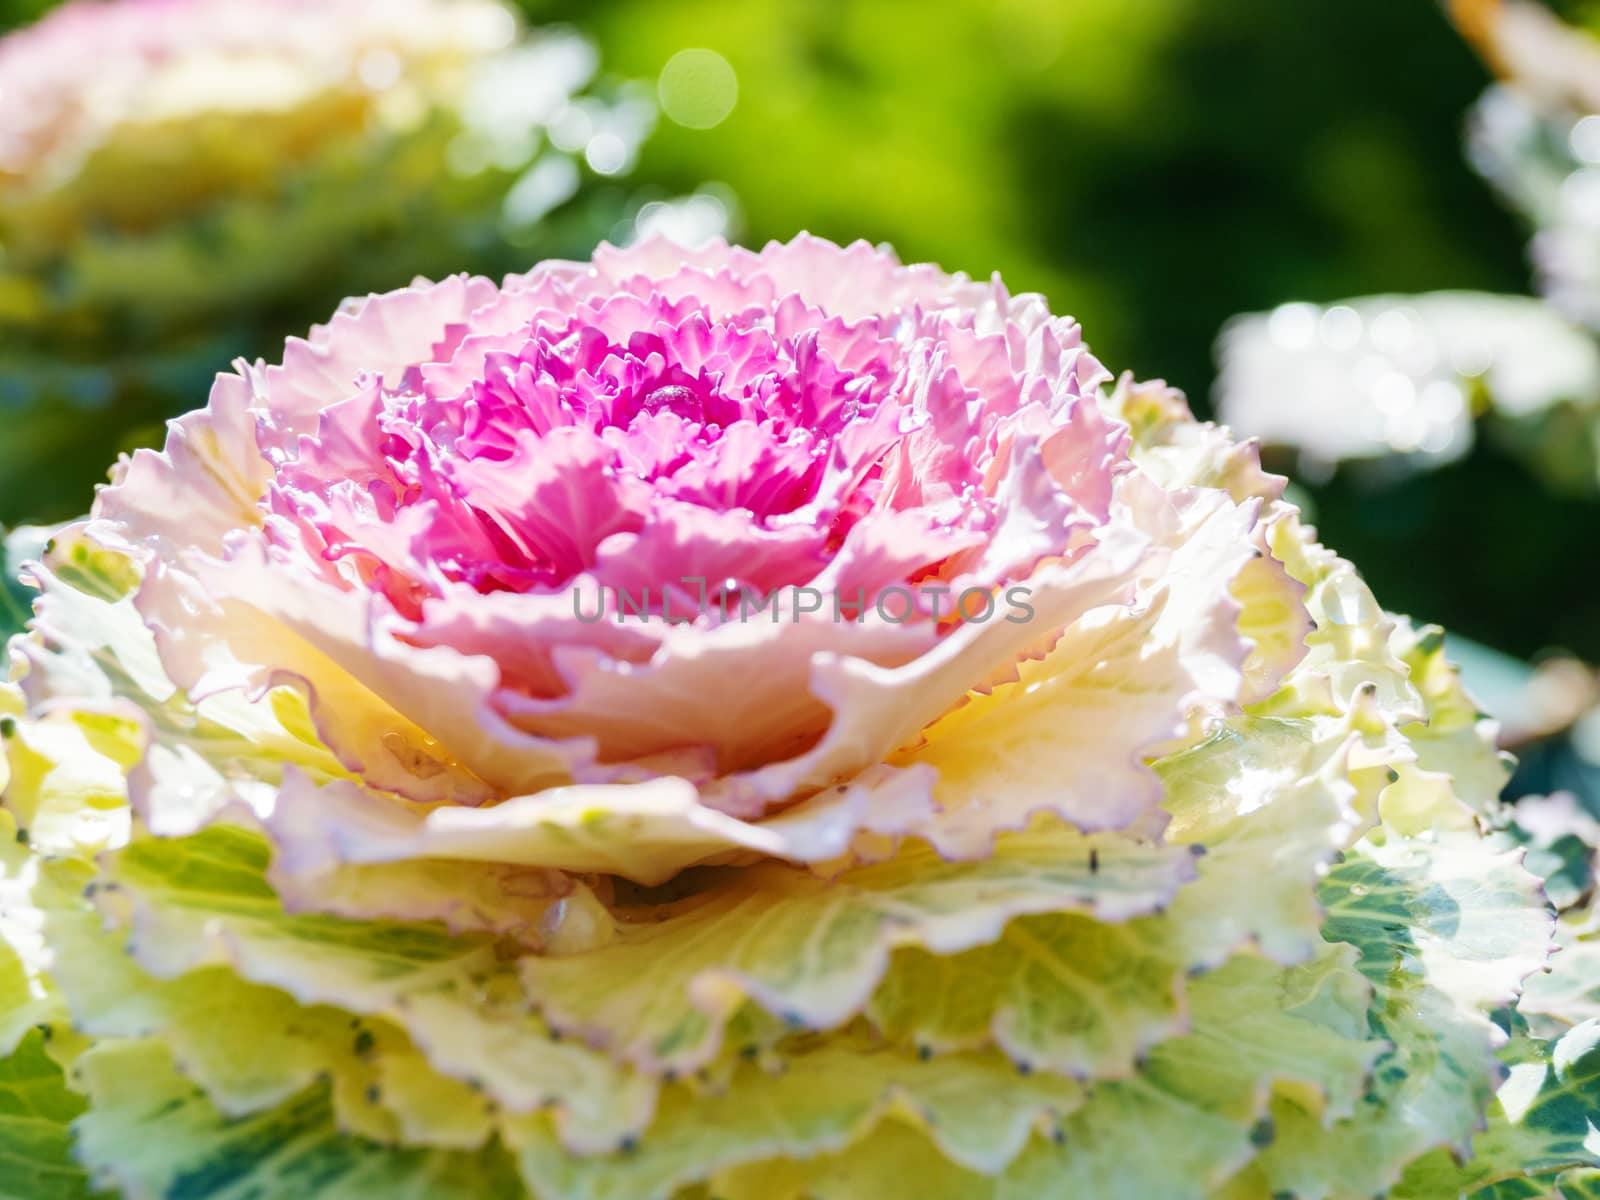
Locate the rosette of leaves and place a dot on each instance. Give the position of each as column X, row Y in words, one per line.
column 184, row 181
column 343, row 856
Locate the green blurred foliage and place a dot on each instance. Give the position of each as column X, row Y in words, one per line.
column 18, row 12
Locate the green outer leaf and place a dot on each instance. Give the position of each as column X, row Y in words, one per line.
column 1579, row 1185
column 25, row 1001
column 1456, row 743
column 252, row 1047
column 1456, row 906
column 816, row 1099
column 1447, row 928
column 92, row 648
column 36, row 1111
column 1144, row 1146
column 812, row 950
column 66, row 789
column 1570, row 992
column 1174, row 1131
column 1542, row 1122
column 1271, row 802
column 1300, row 1029
column 1061, row 992
column 153, row 1135
column 204, row 901
column 1189, row 1118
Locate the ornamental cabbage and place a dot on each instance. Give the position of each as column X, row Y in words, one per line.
column 184, row 179
column 745, row 725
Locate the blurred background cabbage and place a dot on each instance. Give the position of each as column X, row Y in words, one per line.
column 1155, row 167
column 186, row 181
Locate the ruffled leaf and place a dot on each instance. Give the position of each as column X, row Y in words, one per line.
column 814, row 1100
column 1447, row 929
column 154, row 1136
column 1270, row 803
column 36, row 1114
column 1069, row 735
column 1198, row 1101
column 67, row 793
column 250, row 1047
column 1060, row 993
column 1542, row 1123
column 25, row 996
column 812, row 950
column 204, row 901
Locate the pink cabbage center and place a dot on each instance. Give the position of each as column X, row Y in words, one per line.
column 674, row 459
